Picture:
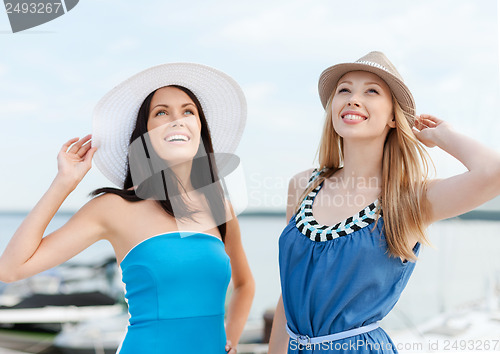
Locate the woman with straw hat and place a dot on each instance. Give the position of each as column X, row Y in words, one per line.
column 166, row 137
column 357, row 221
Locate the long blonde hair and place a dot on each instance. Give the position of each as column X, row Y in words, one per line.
column 405, row 169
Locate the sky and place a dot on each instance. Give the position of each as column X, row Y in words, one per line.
column 52, row 76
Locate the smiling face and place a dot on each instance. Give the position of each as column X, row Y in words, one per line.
column 174, row 125
column 362, row 106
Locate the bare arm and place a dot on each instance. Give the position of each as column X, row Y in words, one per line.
column 461, row 193
column 243, row 282
column 27, row 252
column 278, row 343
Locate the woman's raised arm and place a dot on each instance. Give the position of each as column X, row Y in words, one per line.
column 458, row 194
column 28, row 252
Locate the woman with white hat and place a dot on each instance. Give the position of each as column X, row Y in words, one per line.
column 357, row 221
column 166, row 137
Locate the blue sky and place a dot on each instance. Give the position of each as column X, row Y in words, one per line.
column 52, row 76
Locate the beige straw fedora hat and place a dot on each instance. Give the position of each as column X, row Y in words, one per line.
column 115, row 115
column 378, row 64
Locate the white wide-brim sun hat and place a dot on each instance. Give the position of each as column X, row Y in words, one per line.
column 115, row 115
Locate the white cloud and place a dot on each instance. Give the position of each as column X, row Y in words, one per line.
column 257, row 91
column 452, row 84
column 12, row 108
column 3, row 69
column 446, row 51
column 325, row 30
column 124, row 45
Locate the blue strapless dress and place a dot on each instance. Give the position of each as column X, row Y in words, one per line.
column 176, row 286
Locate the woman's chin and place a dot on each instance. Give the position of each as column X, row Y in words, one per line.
column 347, row 134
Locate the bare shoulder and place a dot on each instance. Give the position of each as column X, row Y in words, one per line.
column 303, row 174
column 228, row 206
column 298, row 182
column 230, row 213
column 105, row 203
column 233, row 232
column 296, row 186
column 433, row 181
column 107, row 210
column 89, row 224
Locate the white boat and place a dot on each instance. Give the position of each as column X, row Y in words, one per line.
column 57, row 314
column 94, row 336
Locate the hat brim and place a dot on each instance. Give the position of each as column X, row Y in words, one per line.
column 329, row 78
column 115, row 115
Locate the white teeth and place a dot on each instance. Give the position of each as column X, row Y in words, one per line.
column 353, row 117
column 177, row 137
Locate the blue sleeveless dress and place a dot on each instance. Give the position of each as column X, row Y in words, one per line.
column 176, row 286
column 337, row 278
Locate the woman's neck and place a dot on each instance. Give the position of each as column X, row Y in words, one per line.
column 183, row 173
column 362, row 163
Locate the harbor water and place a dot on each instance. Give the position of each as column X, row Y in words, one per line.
column 462, row 267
